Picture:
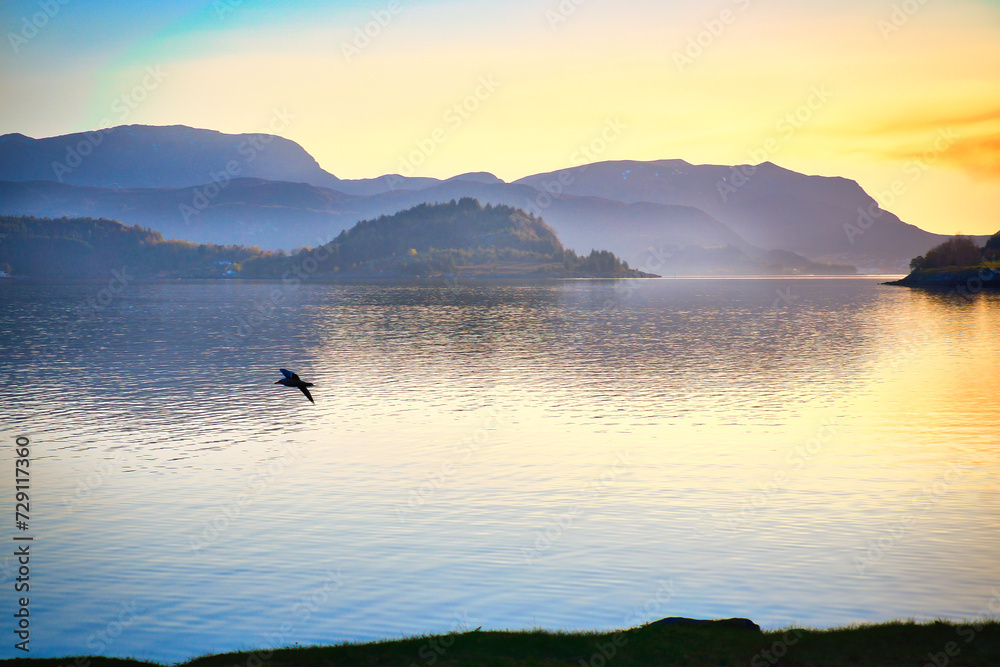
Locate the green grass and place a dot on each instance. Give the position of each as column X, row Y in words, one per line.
column 895, row 644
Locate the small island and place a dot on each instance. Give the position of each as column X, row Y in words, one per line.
column 435, row 241
column 957, row 263
column 458, row 238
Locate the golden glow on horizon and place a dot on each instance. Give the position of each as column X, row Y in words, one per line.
column 836, row 94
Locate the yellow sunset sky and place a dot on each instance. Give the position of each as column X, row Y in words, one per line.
column 903, row 97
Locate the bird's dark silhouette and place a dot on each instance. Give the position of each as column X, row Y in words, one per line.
column 293, row 380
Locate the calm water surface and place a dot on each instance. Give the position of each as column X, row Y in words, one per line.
column 581, row 455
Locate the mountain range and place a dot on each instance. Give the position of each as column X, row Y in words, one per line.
column 257, row 189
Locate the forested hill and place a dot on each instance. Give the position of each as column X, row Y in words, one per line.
column 457, row 237
column 957, row 263
column 461, row 225
column 91, row 248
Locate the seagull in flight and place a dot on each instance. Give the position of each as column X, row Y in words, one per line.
column 293, row 380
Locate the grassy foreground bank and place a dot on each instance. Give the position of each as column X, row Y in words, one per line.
column 892, row 644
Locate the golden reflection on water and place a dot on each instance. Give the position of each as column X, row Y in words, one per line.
column 523, row 454
column 936, row 383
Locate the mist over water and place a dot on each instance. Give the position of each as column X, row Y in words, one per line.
column 575, row 455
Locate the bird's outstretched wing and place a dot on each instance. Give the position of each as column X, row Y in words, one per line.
column 288, row 374
column 306, row 392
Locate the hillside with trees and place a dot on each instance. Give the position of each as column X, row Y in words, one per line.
column 90, row 248
column 460, row 237
column 955, row 262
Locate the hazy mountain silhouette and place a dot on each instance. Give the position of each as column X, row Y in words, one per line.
column 175, row 156
column 207, row 186
column 273, row 214
column 270, row 214
column 477, row 177
column 820, row 217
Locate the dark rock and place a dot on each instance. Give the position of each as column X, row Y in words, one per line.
column 744, row 623
column 964, row 280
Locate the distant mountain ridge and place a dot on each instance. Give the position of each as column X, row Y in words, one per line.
column 174, row 156
column 275, row 214
column 139, row 156
column 208, row 186
column 825, row 218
